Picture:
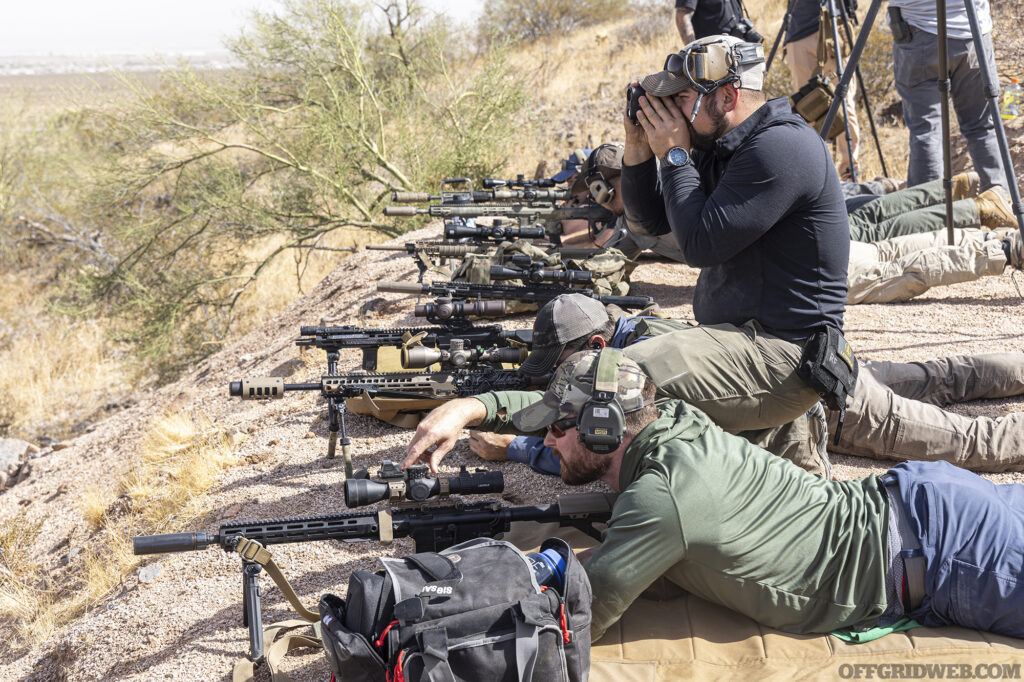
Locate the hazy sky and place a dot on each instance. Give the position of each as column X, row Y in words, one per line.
column 41, row 27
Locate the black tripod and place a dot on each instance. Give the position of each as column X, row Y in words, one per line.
column 991, row 92
column 838, row 12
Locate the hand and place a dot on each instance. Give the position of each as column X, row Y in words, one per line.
column 636, row 150
column 664, row 124
column 490, row 446
column 441, row 430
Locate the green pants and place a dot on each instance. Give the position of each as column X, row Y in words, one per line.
column 915, row 209
column 746, row 382
column 903, row 267
column 895, row 412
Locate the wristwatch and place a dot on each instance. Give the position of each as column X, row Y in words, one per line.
column 677, row 156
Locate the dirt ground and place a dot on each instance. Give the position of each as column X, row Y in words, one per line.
column 187, row 623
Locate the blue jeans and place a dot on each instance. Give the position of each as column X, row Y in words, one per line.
column 972, row 536
column 916, row 69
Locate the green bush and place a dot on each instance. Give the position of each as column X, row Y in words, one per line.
column 328, row 115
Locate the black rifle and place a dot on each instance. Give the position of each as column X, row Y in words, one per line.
column 484, row 196
column 537, row 293
column 334, row 339
column 444, row 385
column 432, row 526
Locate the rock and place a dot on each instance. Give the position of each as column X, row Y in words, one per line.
column 244, row 358
column 309, row 434
column 148, row 574
column 60, row 445
column 12, row 450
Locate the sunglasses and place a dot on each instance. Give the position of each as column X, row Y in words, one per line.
column 559, row 427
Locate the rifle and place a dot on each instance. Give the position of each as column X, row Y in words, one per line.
column 538, row 293
column 533, row 272
column 427, row 252
column 520, row 181
column 443, row 385
column 484, row 196
column 524, row 215
column 334, row 339
column 432, row 526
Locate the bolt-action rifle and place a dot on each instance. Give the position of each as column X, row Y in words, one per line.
column 536, row 293
column 525, row 215
column 483, row 196
column 428, row 254
column 443, row 385
column 433, row 526
column 334, row 339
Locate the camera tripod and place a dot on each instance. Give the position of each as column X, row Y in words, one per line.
column 991, row 92
column 838, row 13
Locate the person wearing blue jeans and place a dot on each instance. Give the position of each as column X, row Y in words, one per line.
column 916, row 69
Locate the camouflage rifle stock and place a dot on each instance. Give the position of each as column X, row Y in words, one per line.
column 443, row 386
column 537, row 293
column 334, row 339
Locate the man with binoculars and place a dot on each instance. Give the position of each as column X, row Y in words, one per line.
column 757, row 206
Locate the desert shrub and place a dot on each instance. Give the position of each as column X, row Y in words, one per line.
column 329, row 113
column 651, row 22
column 530, row 20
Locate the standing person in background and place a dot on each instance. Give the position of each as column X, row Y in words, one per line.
column 801, row 55
column 916, row 66
column 701, row 18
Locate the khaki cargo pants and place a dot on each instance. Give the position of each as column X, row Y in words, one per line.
column 901, row 268
column 745, row 380
column 895, row 412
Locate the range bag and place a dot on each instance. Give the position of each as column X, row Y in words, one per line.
column 471, row 612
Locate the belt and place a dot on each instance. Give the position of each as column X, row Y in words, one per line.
column 914, row 563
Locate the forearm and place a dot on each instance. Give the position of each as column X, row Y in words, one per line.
column 499, row 406
column 641, row 199
column 684, row 25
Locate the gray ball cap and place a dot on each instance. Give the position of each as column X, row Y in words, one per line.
column 572, row 386
column 607, row 158
column 561, row 320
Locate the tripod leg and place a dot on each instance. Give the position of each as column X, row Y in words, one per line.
column 944, row 86
column 992, row 92
column 838, row 54
column 778, row 37
column 844, row 81
column 863, row 89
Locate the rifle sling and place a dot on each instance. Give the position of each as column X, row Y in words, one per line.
column 251, row 550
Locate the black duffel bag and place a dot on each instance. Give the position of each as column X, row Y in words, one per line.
column 471, row 612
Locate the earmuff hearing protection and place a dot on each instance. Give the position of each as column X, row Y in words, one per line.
column 601, row 423
column 600, row 189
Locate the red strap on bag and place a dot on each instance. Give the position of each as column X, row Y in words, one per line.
column 380, row 640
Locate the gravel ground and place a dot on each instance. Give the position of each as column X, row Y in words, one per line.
column 187, row 624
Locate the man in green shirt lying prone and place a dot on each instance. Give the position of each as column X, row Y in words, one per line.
column 740, row 527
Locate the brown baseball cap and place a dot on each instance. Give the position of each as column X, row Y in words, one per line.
column 606, row 159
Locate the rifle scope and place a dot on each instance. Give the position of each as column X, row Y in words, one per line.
column 520, row 181
column 538, row 275
column 416, row 485
column 496, row 232
column 446, row 309
column 457, row 355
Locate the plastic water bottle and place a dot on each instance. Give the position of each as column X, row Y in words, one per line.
column 1011, row 101
column 549, row 568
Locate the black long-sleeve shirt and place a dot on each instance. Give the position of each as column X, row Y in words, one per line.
column 763, row 216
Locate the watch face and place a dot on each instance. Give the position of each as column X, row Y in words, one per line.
column 677, row 156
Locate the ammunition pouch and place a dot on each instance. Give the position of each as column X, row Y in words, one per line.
column 829, row 366
column 812, row 102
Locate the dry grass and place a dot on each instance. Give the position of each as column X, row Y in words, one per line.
column 54, row 371
column 180, row 459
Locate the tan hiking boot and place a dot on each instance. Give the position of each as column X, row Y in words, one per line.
column 993, row 210
column 966, row 185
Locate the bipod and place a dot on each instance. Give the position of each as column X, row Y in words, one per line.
column 252, row 608
column 336, row 420
column 846, row 19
